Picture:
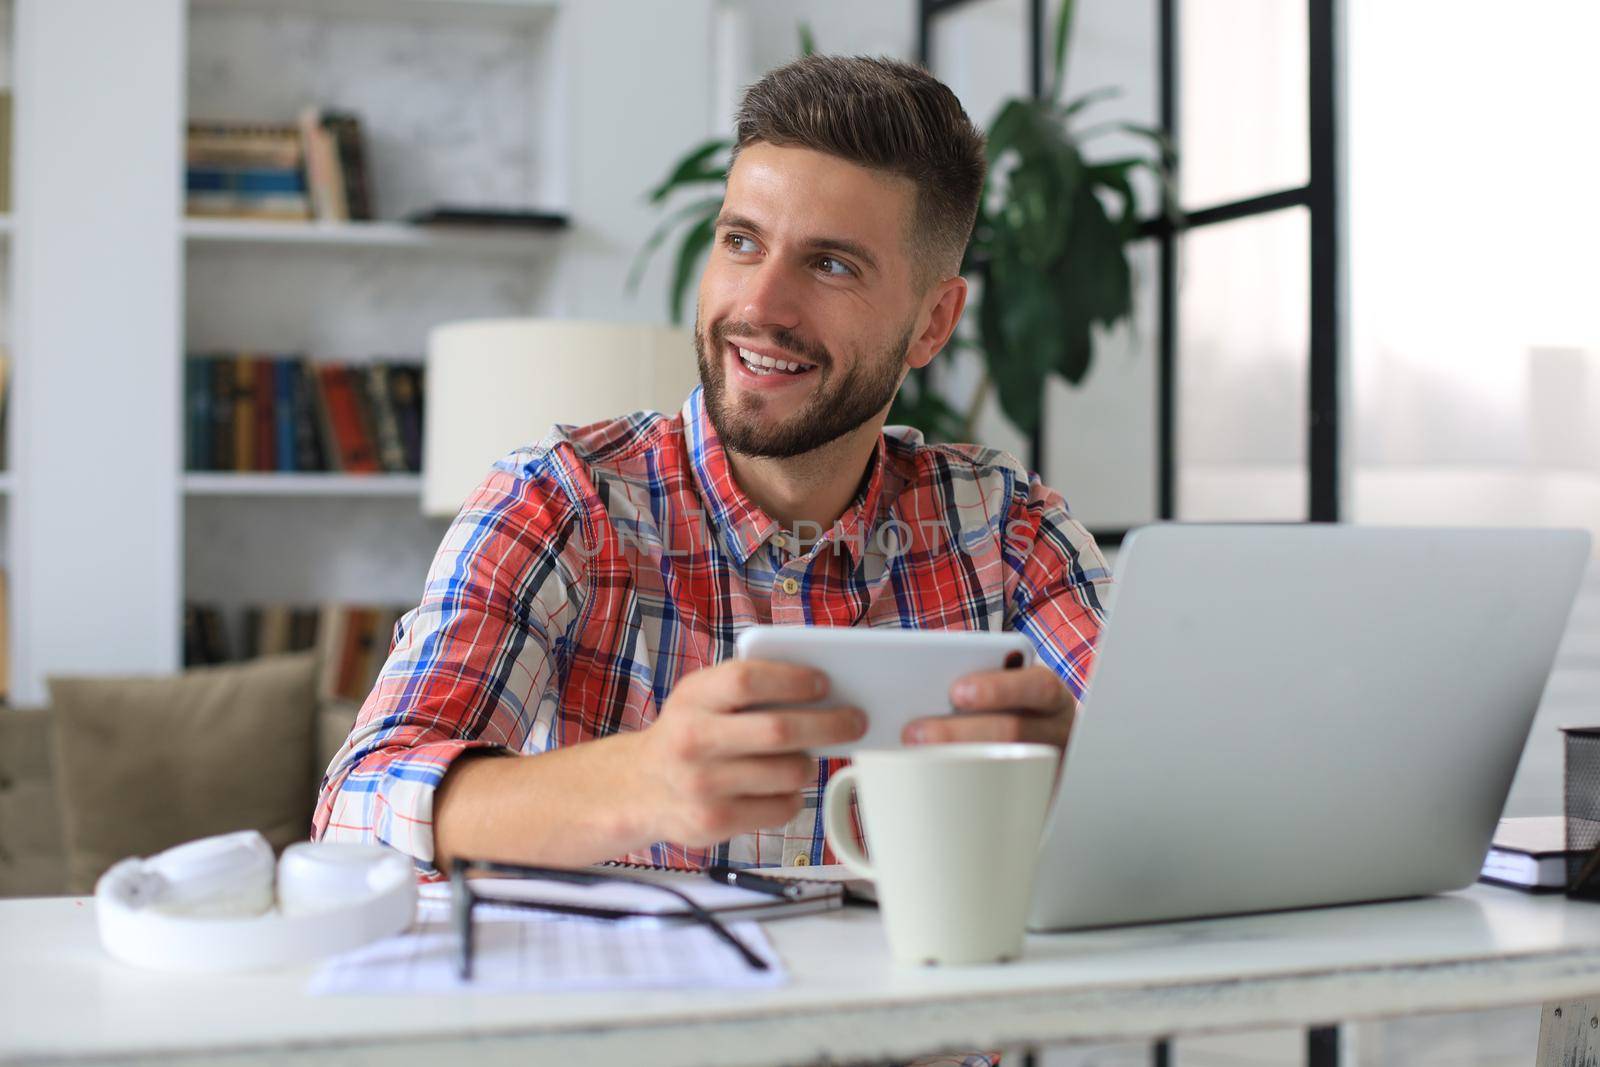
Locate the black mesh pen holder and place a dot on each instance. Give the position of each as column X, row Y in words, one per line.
column 1581, row 810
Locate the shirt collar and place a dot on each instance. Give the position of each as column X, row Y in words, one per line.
column 742, row 525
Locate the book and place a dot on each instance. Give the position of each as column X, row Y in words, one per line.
column 283, row 415
column 222, row 409
column 348, row 437
column 244, row 414
column 1529, row 854
column 197, row 388
column 330, row 650
column 350, row 150
column 385, row 421
column 245, row 170
column 324, row 180
column 266, row 427
column 305, row 416
column 5, row 150
column 405, row 389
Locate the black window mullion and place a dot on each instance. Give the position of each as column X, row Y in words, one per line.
column 1323, row 416
column 1319, row 196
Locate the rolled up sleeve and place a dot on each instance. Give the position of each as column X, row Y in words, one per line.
column 475, row 666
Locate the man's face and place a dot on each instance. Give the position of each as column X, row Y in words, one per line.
column 809, row 266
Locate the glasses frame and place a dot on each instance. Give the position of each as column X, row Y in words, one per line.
column 464, row 898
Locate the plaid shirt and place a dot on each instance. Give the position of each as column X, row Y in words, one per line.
column 591, row 571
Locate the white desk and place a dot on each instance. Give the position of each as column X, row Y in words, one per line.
column 63, row 1001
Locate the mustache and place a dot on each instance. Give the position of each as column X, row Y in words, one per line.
column 802, row 350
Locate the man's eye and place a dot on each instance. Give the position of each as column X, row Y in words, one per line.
column 731, row 239
column 826, row 262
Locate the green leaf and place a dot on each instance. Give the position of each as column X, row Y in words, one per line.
column 695, row 167
column 808, row 43
column 1063, row 38
column 1114, row 176
column 694, row 245
column 1093, row 96
column 707, row 206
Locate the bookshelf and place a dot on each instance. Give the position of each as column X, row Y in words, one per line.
column 571, row 106
column 350, row 292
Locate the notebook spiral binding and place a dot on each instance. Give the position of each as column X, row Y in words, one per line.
column 625, row 865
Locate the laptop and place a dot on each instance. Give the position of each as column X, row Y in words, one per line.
column 1289, row 716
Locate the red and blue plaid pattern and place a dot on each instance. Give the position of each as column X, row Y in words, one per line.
column 589, row 572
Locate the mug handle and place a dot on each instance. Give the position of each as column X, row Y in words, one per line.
column 836, row 825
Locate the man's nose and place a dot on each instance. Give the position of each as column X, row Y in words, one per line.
column 770, row 296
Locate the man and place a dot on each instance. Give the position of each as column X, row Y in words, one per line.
column 580, row 615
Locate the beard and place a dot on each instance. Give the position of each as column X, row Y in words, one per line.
column 835, row 408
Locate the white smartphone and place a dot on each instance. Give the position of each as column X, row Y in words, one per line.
column 894, row 676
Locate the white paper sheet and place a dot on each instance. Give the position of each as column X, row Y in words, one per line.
column 554, row 956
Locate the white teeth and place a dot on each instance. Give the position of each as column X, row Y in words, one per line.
column 756, row 359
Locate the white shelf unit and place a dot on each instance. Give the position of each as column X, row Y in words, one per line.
column 210, row 483
column 573, row 106
column 373, row 235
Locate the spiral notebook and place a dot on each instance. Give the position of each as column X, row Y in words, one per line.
column 724, row 901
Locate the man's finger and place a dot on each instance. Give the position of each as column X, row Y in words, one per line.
column 758, row 776
column 1001, row 727
column 1035, row 688
column 781, row 730
column 742, row 683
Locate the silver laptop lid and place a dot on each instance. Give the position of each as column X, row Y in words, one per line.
column 1285, row 716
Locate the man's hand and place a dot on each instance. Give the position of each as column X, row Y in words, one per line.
column 1032, row 704
column 707, row 770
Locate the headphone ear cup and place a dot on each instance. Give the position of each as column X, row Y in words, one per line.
column 226, row 875
column 318, row 875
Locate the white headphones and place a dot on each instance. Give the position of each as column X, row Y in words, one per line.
column 208, row 905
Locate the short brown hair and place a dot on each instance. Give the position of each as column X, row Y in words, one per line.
column 889, row 116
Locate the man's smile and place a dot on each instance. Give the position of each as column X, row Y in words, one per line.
column 765, row 370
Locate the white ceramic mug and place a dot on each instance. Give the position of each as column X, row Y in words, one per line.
column 954, row 832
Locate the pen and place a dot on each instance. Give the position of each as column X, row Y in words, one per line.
column 776, row 887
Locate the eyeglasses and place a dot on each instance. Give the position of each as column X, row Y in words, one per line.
column 463, row 898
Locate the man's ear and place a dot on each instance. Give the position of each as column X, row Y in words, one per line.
column 941, row 312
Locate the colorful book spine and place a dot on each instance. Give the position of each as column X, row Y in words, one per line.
column 352, row 438
column 309, row 441
column 266, row 416
column 283, row 414
column 197, row 384
column 405, row 386
column 244, row 414
column 384, row 420
column 222, row 409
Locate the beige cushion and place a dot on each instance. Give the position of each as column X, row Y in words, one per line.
column 32, row 862
column 144, row 763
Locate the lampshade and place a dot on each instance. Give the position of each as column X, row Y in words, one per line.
column 493, row 385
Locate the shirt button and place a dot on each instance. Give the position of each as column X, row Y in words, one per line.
column 791, row 586
column 802, row 860
column 778, row 539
